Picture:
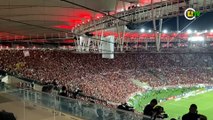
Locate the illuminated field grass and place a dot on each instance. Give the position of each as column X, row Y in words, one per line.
column 178, row 108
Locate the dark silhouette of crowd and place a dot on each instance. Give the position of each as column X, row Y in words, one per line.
column 6, row 115
column 154, row 111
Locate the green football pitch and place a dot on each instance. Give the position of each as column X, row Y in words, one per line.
column 177, row 108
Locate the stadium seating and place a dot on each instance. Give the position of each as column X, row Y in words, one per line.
column 109, row 80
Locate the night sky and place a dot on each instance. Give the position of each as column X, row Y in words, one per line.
column 204, row 22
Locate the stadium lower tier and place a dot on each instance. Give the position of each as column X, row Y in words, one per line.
column 113, row 80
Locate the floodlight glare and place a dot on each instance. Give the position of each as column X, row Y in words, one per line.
column 205, row 31
column 189, row 31
column 142, row 30
column 165, row 31
column 196, row 39
column 150, row 31
column 195, row 31
column 211, row 30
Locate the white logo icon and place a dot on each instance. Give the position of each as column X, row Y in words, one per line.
column 189, row 14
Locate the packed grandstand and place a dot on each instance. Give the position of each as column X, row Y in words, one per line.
column 105, row 79
column 146, row 65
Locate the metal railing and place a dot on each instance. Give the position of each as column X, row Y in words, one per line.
column 78, row 108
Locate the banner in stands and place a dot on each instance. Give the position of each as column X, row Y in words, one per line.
column 108, row 47
column 26, row 53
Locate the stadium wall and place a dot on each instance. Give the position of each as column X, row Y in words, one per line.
column 14, row 81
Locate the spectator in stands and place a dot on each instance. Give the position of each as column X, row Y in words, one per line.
column 203, row 117
column 126, row 107
column 159, row 113
column 63, row 92
column 6, row 115
column 193, row 113
column 54, row 83
column 76, row 93
column 32, row 85
column 63, row 101
column 149, row 109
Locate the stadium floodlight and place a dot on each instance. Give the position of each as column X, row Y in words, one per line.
column 196, row 39
column 149, row 31
column 122, row 10
column 179, row 32
column 138, row 5
column 205, row 31
column 165, row 31
column 189, row 31
column 142, row 30
column 195, row 31
column 126, row 27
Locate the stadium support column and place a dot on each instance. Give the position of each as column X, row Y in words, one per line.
column 155, row 33
column 123, row 38
column 138, row 40
column 178, row 23
column 124, row 6
column 95, row 41
column 100, row 42
column 155, row 28
column 167, row 43
column 178, row 27
column 159, row 34
column 87, row 44
column 78, row 43
column 116, row 6
column 146, row 44
column 118, row 38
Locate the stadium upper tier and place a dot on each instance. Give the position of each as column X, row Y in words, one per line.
column 164, row 9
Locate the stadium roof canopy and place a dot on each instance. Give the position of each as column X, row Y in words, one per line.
column 33, row 18
column 27, row 19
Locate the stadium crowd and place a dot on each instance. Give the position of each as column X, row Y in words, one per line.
column 108, row 79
